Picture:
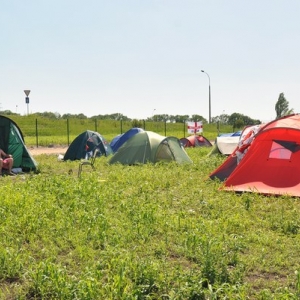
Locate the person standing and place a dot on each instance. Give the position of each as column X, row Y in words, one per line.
column 6, row 162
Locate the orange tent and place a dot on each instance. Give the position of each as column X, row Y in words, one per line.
column 266, row 160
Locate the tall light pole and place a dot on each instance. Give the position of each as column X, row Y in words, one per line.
column 209, row 98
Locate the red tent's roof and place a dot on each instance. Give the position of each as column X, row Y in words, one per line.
column 195, row 141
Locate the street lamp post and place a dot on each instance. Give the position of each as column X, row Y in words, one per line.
column 209, row 98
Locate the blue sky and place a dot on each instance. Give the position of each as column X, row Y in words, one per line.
column 140, row 57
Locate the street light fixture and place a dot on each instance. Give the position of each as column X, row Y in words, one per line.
column 209, row 98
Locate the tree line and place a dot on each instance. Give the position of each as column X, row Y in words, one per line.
column 235, row 119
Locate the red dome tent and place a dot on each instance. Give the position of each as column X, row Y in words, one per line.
column 267, row 159
column 195, row 141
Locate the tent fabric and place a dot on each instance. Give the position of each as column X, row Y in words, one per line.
column 247, row 135
column 226, row 168
column 84, row 145
column 271, row 164
column 12, row 142
column 226, row 143
column 120, row 139
column 237, row 133
column 150, row 147
column 195, row 141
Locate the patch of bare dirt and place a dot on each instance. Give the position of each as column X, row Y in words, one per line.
column 47, row 150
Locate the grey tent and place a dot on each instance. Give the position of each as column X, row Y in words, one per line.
column 149, row 146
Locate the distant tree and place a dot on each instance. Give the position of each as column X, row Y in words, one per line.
column 161, row 118
column 7, row 112
column 176, row 118
column 223, row 119
column 123, row 117
column 166, row 117
column 198, row 118
column 239, row 124
column 248, row 121
column 181, row 118
column 70, row 116
column 155, row 118
column 171, row 119
column 233, row 118
column 136, row 123
column 66, row 116
column 57, row 114
column 48, row 114
column 114, row 116
column 80, row 116
column 282, row 107
column 158, row 118
column 236, row 118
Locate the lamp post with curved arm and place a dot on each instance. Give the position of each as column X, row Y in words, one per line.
column 209, row 97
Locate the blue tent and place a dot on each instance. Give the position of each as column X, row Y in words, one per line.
column 237, row 133
column 86, row 143
column 120, row 139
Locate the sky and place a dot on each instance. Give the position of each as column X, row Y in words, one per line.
column 144, row 57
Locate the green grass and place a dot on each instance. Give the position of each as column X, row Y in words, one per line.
column 161, row 231
column 41, row 131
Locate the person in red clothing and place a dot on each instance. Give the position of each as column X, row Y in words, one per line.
column 6, row 162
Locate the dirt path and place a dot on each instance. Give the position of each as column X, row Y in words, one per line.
column 47, row 150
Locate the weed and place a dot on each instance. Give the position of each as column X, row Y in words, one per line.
column 160, row 231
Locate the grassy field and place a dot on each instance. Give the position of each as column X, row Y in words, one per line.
column 43, row 131
column 161, row 231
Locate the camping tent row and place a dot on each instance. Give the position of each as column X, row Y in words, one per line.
column 136, row 146
column 12, row 142
column 266, row 160
column 190, row 141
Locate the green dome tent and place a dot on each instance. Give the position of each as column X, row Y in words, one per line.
column 149, row 146
column 12, row 142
